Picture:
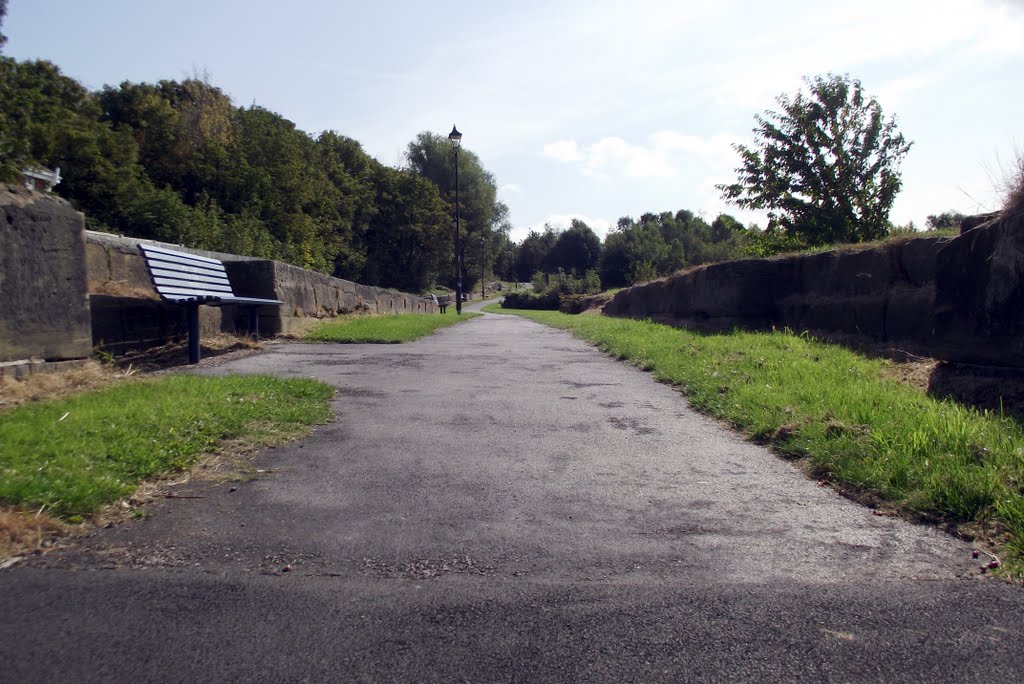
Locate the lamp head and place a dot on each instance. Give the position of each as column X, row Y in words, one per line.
column 455, row 138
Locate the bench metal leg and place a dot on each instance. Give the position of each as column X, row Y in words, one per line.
column 254, row 323
column 192, row 314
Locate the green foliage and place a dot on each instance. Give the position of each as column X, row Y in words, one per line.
column 548, row 300
column 3, row 13
column 576, row 250
column 826, row 166
column 389, row 329
column 550, row 290
column 74, row 455
column 178, row 162
column 660, row 244
column 766, row 243
column 533, row 252
column 481, row 216
column 947, row 220
column 841, row 411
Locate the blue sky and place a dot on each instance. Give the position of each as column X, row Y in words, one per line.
column 591, row 109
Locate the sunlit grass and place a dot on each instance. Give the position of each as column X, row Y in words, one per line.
column 71, row 456
column 387, row 329
column 839, row 410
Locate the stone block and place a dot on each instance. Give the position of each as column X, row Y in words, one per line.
column 44, row 307
column 979, row 295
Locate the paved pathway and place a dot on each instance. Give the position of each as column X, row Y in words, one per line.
column 502, row 502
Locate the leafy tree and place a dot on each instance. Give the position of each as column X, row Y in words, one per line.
column 430, row 155
column 576, row 250
column 533, row 252
column 826, row 165
column 947, row 220
column 3, row 13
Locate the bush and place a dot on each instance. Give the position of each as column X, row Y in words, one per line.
column 548, row 301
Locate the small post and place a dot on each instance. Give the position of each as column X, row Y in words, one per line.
column 192, row 314
column 254, row 323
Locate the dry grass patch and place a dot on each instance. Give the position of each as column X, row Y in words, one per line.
column 43, row 386
column 23, row 532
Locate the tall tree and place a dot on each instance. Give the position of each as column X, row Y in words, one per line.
column 826, row 166
column 3, row 13
column 430, row 155
column 576, row 251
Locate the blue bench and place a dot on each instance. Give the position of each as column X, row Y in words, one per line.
column 191, row 280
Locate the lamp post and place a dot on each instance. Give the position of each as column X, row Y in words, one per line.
column 455, row 138
column 483, row 293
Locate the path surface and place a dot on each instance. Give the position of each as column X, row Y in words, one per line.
column 502, row 502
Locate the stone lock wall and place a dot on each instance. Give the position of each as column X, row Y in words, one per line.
column 44, row 306
column 883, row 293
column 128, row 313
column 65, row 290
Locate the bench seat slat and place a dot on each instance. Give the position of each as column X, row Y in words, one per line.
column 193, row 285
column 180, row 255
column 185, row 266
column 179, row 275
column 192, row 292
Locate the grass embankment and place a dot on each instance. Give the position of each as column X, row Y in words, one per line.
column 843, row 414
column 387, row 329
column 71, row 456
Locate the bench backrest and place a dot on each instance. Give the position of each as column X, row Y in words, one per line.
column 179, row 275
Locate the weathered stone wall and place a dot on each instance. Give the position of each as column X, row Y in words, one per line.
column 44, row 309
column 308, row 294
column 128, row 313
column 979, row 295
column 884, row 293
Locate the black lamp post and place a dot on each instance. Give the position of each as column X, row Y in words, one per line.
column 455, row 138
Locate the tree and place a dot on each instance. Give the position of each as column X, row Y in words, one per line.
column 430, row 155
column 826, row 165
column 947, row 220
column 576, row 251
column 3, row 13
column 533, row 252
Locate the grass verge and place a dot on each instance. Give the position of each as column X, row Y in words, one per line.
column 387, row 329
column 843, row 415
column 70, row 456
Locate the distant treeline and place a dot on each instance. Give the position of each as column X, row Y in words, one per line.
column 177, row 161
column 636, row 251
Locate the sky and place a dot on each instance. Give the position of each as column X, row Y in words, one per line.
column 589, row 109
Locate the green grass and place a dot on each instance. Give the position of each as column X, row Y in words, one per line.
column 388, row 329
column 859, row 429
column 71, row 456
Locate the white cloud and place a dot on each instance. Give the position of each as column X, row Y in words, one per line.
column 563, row 151
column 509, row 187
column 663, row 157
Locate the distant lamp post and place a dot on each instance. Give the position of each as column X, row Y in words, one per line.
column 455, row 138
column 483, row 293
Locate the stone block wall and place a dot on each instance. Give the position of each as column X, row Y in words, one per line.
column 44, row 307
column 128, row 313
column 884, row 293
column 979, row 297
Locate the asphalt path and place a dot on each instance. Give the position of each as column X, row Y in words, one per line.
column 502, row 502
